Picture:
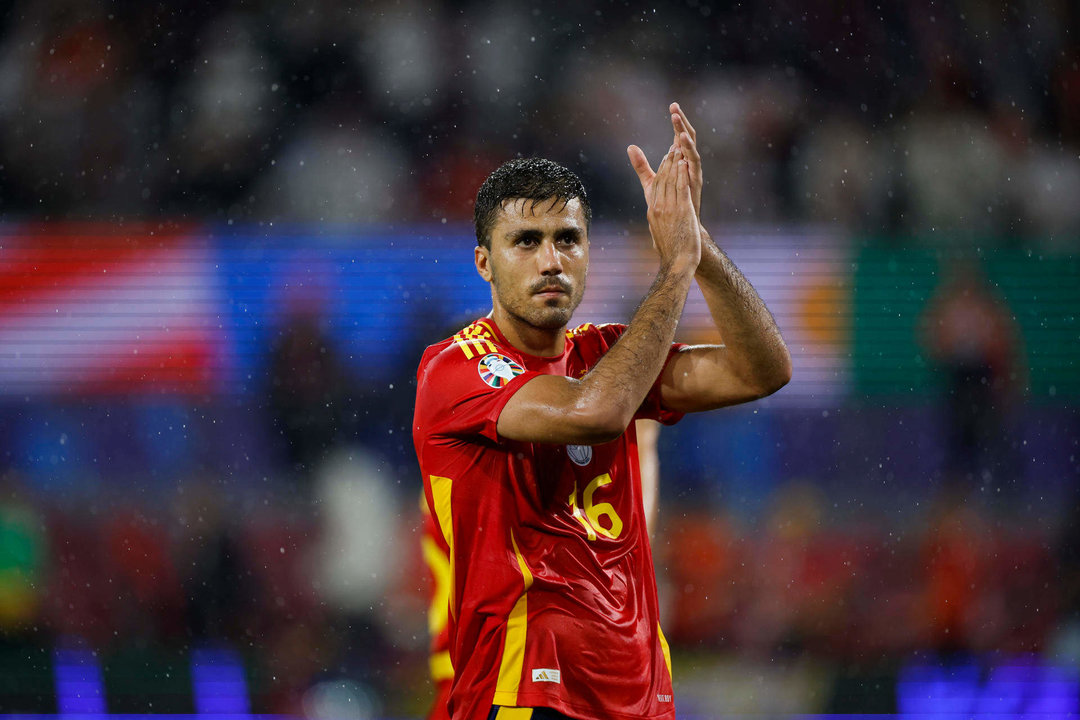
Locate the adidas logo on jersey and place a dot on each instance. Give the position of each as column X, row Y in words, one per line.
column 547, row 675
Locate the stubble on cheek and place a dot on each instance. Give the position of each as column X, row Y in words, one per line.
column 522, row 304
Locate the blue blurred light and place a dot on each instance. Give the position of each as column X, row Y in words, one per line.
column 80, row 689
column 218, row 684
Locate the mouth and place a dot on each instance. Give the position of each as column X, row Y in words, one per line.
column 550, row 293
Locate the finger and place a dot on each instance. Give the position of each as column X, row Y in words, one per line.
column 641, row 166
column 686, row 143
column 663, row 177
column 652, row 192
column 689, row 149
column 682, row 181
column 681, row 124
column 662, row 172
column 677, row 124
column 665, row 164
column 676, row 109
column 670, row 186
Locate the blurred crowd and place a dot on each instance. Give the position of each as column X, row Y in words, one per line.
column 206, row 566
column 305, row 603
column 944, row 118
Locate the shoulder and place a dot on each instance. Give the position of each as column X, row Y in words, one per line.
column 466, row 351
column 461, row 384
column 597, row 338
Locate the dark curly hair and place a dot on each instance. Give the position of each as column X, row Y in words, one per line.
column 534, row 179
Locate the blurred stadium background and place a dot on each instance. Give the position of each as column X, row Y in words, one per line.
column 228, row 230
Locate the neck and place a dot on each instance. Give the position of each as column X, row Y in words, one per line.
column 528, row 339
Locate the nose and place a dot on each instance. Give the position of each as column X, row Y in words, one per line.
column 550, row 259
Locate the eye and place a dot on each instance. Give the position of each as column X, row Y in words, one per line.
column 569, row 239
column 526, row 241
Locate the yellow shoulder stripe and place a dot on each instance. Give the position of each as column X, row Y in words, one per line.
column 475, row 340
column 579, row 330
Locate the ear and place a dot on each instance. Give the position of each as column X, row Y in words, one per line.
column 483, row 262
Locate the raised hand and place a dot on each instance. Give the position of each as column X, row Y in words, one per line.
column 686, row 141
column 673, row 223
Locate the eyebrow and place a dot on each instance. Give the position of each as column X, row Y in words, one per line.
column 526, row 234
column 534, row 234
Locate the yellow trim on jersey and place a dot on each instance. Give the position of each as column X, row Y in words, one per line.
column 475, row 340
column 526, row 573
column 460, row 340
column 512, row 713
column 439, row 564
column 486, row 324
column 483, row 339
column 666, row 649
column 440, row 493
column 441, row 667
column 579, row 330
column 513, row 655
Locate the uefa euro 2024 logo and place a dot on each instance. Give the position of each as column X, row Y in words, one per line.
column 497, row 370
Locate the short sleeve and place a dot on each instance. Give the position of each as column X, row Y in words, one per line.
column 463, row 396
column 652, row 408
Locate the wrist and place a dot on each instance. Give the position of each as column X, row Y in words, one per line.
column 709, row 251
column 679, row 266
column 706, row 239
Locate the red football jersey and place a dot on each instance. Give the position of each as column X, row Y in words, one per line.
column 552, row 589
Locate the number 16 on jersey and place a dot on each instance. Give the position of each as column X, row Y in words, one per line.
column 590, row 518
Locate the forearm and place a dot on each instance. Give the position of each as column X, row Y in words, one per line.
column 754, row 345
column 626, row 373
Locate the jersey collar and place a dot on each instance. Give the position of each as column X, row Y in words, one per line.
column 493, row 328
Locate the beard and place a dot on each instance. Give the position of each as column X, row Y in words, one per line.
column 553, row 314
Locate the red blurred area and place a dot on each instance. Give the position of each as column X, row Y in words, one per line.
column 96, row 309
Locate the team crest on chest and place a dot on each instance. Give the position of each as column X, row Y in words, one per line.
column 579, row 454
column 496, row 369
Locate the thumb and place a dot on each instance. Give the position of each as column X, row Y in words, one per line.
column 640, row 164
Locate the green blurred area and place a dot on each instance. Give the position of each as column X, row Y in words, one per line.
column 891, row 289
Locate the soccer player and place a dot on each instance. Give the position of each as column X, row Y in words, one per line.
column 524, row 436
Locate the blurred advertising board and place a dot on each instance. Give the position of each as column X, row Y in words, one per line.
column 165, row 309
column 151, row 309
column 98, row 308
